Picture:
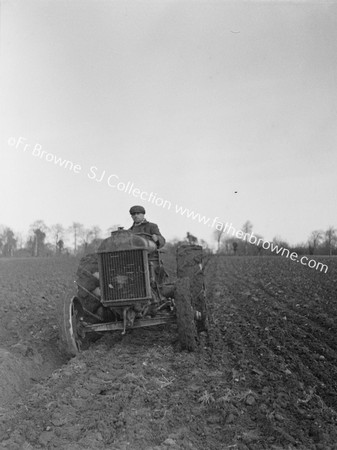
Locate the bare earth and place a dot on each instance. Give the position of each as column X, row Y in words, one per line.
column 264, row 378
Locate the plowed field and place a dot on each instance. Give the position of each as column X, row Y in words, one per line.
column 265, row 376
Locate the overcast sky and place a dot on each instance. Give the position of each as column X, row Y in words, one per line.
column 227, row 109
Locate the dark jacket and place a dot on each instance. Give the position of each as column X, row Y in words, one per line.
column 150, row 228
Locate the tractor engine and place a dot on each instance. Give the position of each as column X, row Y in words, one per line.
column 126, row 274
column 127, row 264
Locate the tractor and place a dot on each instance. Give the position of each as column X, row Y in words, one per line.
column 124, row 286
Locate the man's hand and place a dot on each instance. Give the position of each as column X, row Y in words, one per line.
column 155, row 238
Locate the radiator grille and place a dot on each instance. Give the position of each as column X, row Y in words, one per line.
column 123, row 275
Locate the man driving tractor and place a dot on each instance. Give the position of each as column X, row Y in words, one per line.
column 141, row 225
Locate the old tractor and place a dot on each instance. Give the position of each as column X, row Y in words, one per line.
column 124, row 286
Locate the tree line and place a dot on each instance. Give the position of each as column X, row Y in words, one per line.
column 51, row 240
column 319, row 242
column 76, row 239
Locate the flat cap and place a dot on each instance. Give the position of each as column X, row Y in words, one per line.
column 137, row 209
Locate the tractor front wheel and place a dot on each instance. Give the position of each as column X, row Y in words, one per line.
column 72, row 333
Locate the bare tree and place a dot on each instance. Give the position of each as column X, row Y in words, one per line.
column 57, row 233
column 87, row 235
column 330, row 238
column 19, row 239
column 315, row 239
column 247, row 228
column 235, row 247
column 218, row 237
column 39, row 230
column 92, row 239
column 77, row 229
column 2, row 228
column 7, row 242
column 258, row 244
column 96, row 231
column 278, row 240
column 60, row 246
column 227, row 245
column 39, row 224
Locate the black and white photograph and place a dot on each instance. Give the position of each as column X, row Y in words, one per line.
column 168, row 225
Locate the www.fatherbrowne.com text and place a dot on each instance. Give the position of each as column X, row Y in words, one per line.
column 252, row 239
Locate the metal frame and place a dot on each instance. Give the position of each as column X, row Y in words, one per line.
column 149, row 322
column 127, row 301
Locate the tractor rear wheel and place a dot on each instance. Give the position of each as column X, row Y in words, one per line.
column 190, row 264
column 187, row 331
column 72, row 334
